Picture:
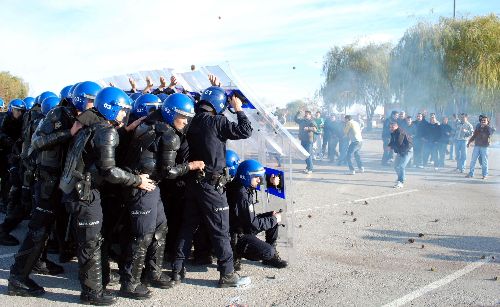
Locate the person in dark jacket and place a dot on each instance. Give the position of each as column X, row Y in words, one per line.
column 431, row 140
column 420, row 131
column 246, row 224
column 206, row 200
column 402, row 144
column 482, row 140
column 307, row 128
column 445, row 132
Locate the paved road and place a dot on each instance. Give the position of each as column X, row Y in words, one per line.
column 367, row 262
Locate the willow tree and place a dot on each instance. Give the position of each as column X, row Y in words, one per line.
column 417, row 77
column 357, row 74
column 472, row 61
column 12, row 87
column 453, row 63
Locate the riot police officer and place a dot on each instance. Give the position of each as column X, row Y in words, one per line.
column 10, row 138
column 4, row 174
column 245, row 224
column 153, row 151
column 206, row 198
column 31, row 118
column 82, row 177
column 49, row 142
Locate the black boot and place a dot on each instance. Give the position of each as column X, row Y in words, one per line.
column 90, row 275
column 153, row 274
column 233, row 280
column 6, row 238
column 19, row 282
column 131, row 285
column 177, row 277
column 237, row 263
column 276, row 261
column 47, row 267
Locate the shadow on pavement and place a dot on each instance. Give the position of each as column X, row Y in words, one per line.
column 465, row 248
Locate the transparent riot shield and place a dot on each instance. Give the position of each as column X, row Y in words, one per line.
column 270, row 143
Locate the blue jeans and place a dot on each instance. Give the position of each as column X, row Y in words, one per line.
column 308, row 146
column 418, row 149
column 388, row 153
column 452, row 147
column 483, row 152
column 353, row 149
column 343, row 146
column 430, row 150
column 441, row 150
column 461, row 154
column 400, row 164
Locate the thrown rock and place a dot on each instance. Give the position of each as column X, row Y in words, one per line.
column 423, row 246
column 411, row 240
column 352, row 213
column 354, row 219
column 420, row 235
column 309, row 216
column 433, row 270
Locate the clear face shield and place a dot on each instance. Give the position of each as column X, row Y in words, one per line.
column 182, row 121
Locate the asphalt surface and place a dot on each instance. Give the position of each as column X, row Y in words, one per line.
column 359, row 259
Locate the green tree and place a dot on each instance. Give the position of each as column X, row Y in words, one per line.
column 12, row 87
column 357, row 74
column 293, row 107
column 453, row 64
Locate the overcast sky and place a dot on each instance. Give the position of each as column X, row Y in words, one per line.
column 54, row 43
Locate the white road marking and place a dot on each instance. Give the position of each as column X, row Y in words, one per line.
column 354, row 201
column 437, row 284
column 385, row 195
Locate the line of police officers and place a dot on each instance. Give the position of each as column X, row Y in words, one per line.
column 83, row 164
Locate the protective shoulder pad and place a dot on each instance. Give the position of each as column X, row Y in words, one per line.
column 171, row 140
column 105, row 136
column 142, row 129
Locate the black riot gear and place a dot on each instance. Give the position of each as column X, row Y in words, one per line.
column 50, row 140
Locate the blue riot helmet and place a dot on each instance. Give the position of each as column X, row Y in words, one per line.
column 65, row 91
column 49, row 103
column 83, row 91
column 42, row 97
column 110, row 101
column 29, row 102
column 249, row 169
column 134, row 96
column 2, row 103
column 16, row 104
column 215, row 97
column 145, row 104
column 177, row 104
column 232, row 162
column 71, row 91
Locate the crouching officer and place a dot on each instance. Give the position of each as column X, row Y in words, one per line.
column 245, row 224
column 153, row 150
column 49, row 141
column 83, row 175
column 205, row 194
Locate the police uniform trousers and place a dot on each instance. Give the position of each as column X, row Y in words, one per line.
column 148, row 226
column 88, row 218
column 208, row 205
column 47, row 208
column 253, row 248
